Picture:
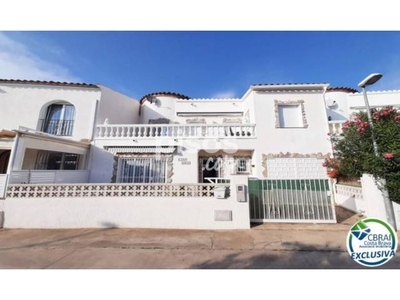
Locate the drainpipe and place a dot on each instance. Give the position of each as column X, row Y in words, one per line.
column 326, row 116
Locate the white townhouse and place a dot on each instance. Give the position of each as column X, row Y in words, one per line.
column 46, row 128
column 136, row 161
column 273, row 131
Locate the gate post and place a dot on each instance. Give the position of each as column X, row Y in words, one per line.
column 241, row 180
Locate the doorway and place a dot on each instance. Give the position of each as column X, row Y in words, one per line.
column 210, row 169
column 4, row 159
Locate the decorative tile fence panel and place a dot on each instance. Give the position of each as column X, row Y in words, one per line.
column 111, row 190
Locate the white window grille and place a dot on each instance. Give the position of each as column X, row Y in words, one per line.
column 242, row 165
column 59, row 119
column 142, row 170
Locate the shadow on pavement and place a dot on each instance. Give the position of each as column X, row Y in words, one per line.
column 303, row 256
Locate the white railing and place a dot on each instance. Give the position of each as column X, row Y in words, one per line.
column 349, row 191
column 175, row 131
column 336, row 127
column 3, row 182
column 49, row 176
column 111, row 190
column 216, row 180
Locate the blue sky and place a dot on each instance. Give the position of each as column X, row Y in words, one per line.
column 201, row 64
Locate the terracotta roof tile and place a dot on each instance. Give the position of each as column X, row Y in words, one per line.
column 341, row 89
column 54, row 83
column 176, row 95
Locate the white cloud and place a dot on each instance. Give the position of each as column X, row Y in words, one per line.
column 19, row 61
column 224, row 94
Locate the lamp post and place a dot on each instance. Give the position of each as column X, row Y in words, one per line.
column 367, row 81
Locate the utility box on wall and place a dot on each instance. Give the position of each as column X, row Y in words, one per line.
column 241, row 193
column 220, row 192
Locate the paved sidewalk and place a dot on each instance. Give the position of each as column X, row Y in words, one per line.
column 265, row 246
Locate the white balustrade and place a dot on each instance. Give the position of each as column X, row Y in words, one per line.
column 335, row 127
column 349, row 191
column 175, row 131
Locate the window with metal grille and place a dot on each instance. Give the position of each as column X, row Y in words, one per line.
column 142, row 170
column 242, row 165
column 59, row 119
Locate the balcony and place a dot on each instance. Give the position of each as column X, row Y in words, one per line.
column 58, row 127
column 336, row 128
column 175, row 131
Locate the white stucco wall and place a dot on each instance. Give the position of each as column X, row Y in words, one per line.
column 163, row 107
column 385, row 98
column 352, row 198
column 24, row 105
column 117, row 108
column 347, row 103
column 129, row 212
column 340, row 111
column 303, row 141
column 102, row 161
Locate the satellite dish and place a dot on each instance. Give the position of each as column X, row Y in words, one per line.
column 331, row 103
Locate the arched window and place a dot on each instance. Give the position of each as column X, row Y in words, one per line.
column 59, row 119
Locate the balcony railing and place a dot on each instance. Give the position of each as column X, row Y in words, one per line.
column 49, row 176
column 336, row 128
column 58, row 127
column 175, row 131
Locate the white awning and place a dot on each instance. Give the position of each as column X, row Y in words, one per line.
column 141, row 150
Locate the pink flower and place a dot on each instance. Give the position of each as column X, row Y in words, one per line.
column 324, row 164
column 397, row 118
column 388, row 155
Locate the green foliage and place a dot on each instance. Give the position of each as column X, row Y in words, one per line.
column 354, row 153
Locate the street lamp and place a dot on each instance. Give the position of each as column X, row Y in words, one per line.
column 367, row 81
column 370, row 80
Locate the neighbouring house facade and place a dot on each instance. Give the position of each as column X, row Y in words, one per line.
column 90, row 138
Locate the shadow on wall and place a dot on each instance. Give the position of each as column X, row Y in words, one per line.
column 336, row 116
column 102, row 169
column 300, row 256
column 148, row 112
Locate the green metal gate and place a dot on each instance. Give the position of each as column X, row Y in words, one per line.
column 291, row 200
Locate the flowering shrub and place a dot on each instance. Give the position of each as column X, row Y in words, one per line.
column 354, row 154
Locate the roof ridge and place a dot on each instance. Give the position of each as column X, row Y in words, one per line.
column 44, row 82
column 163, row 93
